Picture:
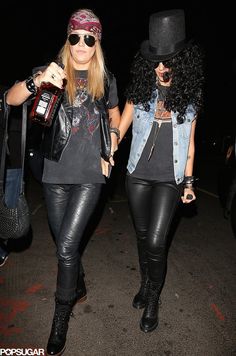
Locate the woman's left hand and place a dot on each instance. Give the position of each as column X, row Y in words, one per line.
column 106, row 167
column 188, row 196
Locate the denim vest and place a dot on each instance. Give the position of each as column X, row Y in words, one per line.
column 141, row 128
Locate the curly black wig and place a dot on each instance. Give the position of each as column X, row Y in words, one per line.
column 187, row 82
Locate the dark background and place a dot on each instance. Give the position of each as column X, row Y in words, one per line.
column 32, row 34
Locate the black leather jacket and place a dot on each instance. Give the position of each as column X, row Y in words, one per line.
column 57, row 136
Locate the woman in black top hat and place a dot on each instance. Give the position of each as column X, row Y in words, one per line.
column 164, row 97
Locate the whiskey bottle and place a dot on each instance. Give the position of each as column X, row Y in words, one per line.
column 46, row 103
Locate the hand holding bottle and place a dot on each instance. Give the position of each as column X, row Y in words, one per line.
column 53, row 74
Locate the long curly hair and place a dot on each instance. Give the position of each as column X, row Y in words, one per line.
column 187, row 83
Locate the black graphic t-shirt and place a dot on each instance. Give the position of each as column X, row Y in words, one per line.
column 81, row 160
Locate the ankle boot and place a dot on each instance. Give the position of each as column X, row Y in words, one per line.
column 149, row 320
column 140, row 298
column 57, row 338
column 81, row 289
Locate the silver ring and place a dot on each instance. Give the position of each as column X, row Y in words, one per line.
column 53, row 76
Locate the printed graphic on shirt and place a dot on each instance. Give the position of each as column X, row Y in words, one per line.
column 85, row 113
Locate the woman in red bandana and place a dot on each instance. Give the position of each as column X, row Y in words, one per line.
column 74, row 171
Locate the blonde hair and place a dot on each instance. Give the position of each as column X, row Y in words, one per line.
column 96, row 73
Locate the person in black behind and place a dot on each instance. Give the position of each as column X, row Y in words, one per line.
column 74, row 172
column 13, row 161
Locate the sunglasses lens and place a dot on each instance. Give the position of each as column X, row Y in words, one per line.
column 73, row 39
column 166, row 64
column 89, row 40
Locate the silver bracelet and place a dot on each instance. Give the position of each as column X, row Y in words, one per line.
column 116, row 131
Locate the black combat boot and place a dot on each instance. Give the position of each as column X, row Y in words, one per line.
column 149, row 320
column 57, row 338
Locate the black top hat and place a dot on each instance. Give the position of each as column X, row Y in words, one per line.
column 166, row 35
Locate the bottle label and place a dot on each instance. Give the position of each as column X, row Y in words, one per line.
column 46, row 104
column 43, row 103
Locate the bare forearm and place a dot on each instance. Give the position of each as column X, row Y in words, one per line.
column 20, row 92
column 126, row 119
column 114, row 117
column 190, row 162
column 188, row 193
column 191, row 152
column 17, row 94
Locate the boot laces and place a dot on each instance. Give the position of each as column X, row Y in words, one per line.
column 152, row 300
column 61, row 319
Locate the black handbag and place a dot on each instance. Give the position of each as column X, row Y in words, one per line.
column 105, row 125
column 14, row 222
column 105, row 136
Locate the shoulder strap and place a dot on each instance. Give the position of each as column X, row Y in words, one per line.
column 4, row 148
column 23, row 139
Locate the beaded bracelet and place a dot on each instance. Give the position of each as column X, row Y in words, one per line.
column 189, row 181
column 30, row 85
column 115, row 131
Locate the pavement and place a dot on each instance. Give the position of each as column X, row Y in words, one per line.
column 197, row 314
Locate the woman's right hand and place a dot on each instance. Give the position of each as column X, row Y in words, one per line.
column 52, row 74
column 188, row 196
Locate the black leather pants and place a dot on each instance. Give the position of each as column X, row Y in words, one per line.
column 69, row 208
column 153, row 205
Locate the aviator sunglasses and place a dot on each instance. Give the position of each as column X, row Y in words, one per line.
column 89, row 40
column 167, row 63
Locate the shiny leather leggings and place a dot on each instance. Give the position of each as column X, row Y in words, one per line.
column 69, row 208
column 153, row 205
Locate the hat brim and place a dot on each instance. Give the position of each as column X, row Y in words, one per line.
column 147, row 54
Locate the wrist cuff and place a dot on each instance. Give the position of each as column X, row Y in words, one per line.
column 30, row 85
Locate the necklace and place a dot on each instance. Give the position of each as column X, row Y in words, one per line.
column 161, row 115
column 157, row 122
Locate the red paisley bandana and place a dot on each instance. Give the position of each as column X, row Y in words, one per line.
column 85, row 19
